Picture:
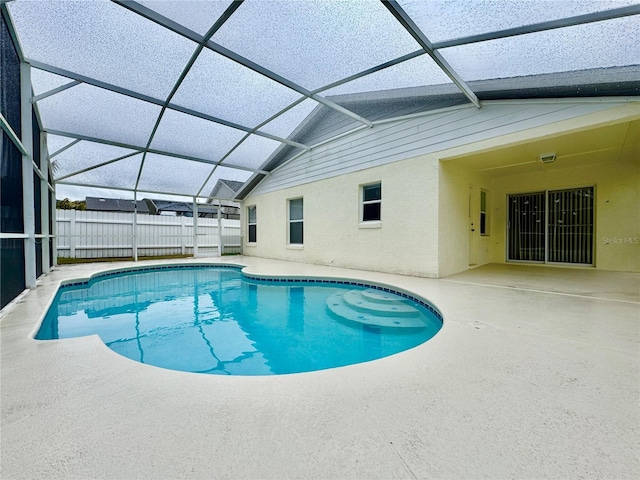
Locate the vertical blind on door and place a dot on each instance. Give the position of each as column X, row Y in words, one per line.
column 571, row 226
column 554, row 226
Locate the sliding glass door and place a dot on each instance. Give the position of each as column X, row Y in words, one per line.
column 571, row 226
column 526, row 227
column 554, row 226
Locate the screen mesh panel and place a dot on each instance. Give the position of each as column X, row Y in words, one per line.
column 197, row 15
column 11, row 220
column 56, row 142
column 194, row 136
column 416, row 72
column 161, row 173
column 104, row 41
column 99, row 113
column 449, row 19
column 611, row 43
column 311, row 44
column 224, row 173
column 340, row 38
column 85, row 155
column 10, row 79
column 12, row 280
column 42, row 81
column 223, row 88
column 120, row 174
column 252, row 152
column 285, row 124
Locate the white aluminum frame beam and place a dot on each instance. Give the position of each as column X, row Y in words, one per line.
column 131, row 189
column 542, row 26
column 207, row 180
column 84, row 170
column 194, row 56
column 377, row 68
column 146, row 98
column 58, row 152
column 135, row 226
column 28, row 206
column 407, row 22
column 44, row 204
column 195, row 226
column 219, row 49
column 53, row 91
column 139, row 149
column 12, row 135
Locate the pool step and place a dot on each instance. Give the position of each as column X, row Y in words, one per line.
column 369, row 301
column 385, row 310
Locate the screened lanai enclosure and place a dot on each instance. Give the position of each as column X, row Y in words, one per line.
column 167, row 97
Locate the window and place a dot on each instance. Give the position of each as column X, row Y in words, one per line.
column 484, row 225
column 251, row 223
column 371, row 202
column 296, row 235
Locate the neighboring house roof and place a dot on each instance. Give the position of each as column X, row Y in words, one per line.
column 100, row 204
column 232, row 184
column 181, row 207
column 225, row 188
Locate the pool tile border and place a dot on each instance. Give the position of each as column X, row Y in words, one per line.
column 353, row 283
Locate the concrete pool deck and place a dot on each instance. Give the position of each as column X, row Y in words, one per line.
column 535, row 374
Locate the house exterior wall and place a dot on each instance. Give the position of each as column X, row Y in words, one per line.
column 459, row 199
column 426, row 227
column 413, row 137
column 617, row 211
column 405, row 242
column 617, row 190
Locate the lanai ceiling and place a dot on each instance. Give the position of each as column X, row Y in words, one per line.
column 168, row 97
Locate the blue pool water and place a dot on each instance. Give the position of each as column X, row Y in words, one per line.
column 217, row 321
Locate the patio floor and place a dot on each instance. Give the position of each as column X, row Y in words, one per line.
column 535, row 374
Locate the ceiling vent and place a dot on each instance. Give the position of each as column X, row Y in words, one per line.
column 547, row 157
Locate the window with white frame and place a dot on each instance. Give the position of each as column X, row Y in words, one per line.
column 252, row 224
column 484, row 217
column 296, row 222
column 371, row 210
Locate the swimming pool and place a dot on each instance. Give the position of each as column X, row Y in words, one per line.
column 217, row 320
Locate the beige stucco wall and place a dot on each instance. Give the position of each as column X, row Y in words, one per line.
column 459, row 246
column 617, row 210
column 614, row 173
column 406, row 241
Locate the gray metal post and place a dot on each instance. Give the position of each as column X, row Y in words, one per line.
column 195, row 227
column 73, row 234
column 27, row 177
column 183, row 241
column 220, row 242
column 135, row 227
column 44, row 203
column 54, row 233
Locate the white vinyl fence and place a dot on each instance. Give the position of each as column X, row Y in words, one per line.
column 82, row 234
